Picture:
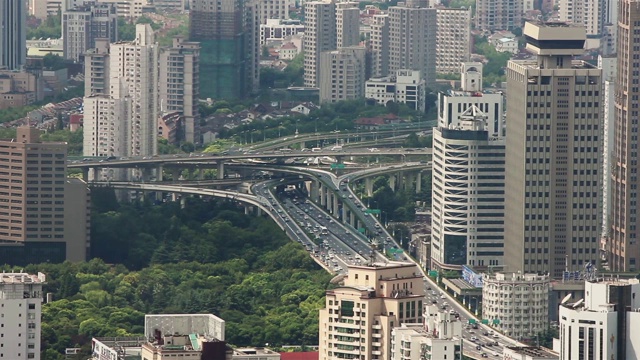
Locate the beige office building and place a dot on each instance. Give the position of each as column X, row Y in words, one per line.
column 453, row 41
column 360, row 315
column 412, row 39
column 82, row 25
column 43, row 216
column 623, row 249
column 180, row 85
column 552, row 207
column 274, row 9
column 342, row 75
column 494, row 15
column 96, row 69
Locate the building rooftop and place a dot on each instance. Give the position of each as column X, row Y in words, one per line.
column 22, row 278
column 253, row 351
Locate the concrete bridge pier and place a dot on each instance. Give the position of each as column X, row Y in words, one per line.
column 174, row 197
column 409, row 178
column 323, row 195
column 368, row 186
column 201, row 174
column 336, row 209
column 392, row 182
column 313, row 190
column 160, row 173
column 85, row 175
column 183, row 202
column 220, row 170
column 352, row 219
column 419, row 181
column 345, row 213
column 175, row 174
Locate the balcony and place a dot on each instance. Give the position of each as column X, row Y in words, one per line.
column 377, row 336
column 376, row 327
column 376, row 352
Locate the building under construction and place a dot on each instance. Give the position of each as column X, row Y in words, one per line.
column 228, row 32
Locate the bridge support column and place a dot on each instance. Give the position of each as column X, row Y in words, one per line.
column 183, row 202
column 368, row 186
column 352, row 220
column 392, row 182
column 314, row 191
column 247, row 210
column 336, row 209
column 160, row 173
column 408, row 180
column 344, row 213
column 220, row 170
column 174, row 197
column 323, row 195
column 85, row 174
column 418, row 182
column 175, row 174
column 259, row 211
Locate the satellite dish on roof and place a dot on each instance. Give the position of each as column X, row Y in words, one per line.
column 565, row 299
column 578, row 303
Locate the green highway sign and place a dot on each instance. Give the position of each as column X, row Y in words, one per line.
column 362, row 230
column 337, row 166
column 372, row 211
column 485, row 321
column 472, row 321
column 433, row 273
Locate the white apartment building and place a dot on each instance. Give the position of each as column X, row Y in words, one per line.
column 412, row 39
column 342, row 74
column 507, row 45
column 347, row 24
column 81, row 26
column 179, row 85
column 379, row 45
column 405, row 87
column 452, row 103
column 279, row 30
column 453, row 40
column 132, row 9
column 21, row 311
column 603, row 325
column 359, row 315
column 412, row 341
column 467, row 210
column 516, row 304
column 129, row 91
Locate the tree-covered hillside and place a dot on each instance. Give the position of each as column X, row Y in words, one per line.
column 206, row 258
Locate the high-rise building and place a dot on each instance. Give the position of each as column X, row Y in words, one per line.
column 379, row 45
column 180, row 85
column 53, row 228
column 601, row 326
column 319, row 36
column 13, row 37
column 342, row 74
column 360, row 314
column 594, row 15
column 404, row 87
column 623, row 247
column 229, row 35
column 21, row 300
column 274, row 9
column 516, row 304
column 347, row 24
column 467, row 211
column 82, row 25
column 121, row 106
column 412, row 39
column 608, row 64
column 493, row 15
column 452, row 103
column 96, row 69
column 328, row 25
column 552, row 205
column 279, row 30
column 453, row 40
